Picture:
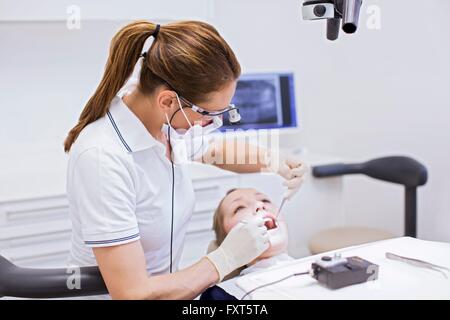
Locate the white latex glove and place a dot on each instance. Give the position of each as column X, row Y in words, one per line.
column 245, row 242
column 290, row 168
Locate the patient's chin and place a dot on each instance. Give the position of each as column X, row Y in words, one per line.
column 278, row 242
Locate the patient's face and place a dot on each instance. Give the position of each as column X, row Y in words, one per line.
column 243, row 204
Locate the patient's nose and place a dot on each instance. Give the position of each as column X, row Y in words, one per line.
column 259, row 207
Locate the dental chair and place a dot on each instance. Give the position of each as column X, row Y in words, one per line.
column 395, row 169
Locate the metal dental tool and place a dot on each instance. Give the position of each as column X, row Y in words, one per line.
column 281, row 206
column 419, row 263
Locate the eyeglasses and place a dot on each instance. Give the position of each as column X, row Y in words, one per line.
column 233, row 111
column 204, row 112
column 234, row 116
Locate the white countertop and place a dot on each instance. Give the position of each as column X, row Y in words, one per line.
column 396, row 280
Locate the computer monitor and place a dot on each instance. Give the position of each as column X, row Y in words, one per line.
column 265, row 101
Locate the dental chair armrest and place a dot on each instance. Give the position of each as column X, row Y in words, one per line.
column 49, row 283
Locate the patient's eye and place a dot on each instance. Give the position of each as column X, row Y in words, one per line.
column 238, row 208
column 266, row 201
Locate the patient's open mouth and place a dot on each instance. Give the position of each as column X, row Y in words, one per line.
column 270, row 221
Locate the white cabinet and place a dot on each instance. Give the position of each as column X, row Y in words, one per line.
column 35, row 232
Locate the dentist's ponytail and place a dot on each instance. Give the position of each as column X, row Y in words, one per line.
column 190, row 56
column 126, row 46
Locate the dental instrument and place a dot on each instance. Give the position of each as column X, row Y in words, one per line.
column 419, row 263
column 281, row 206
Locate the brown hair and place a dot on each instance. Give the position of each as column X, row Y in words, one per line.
column 188, row 56
column 218, row 226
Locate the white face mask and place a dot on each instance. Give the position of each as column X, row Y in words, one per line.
column 190, row 144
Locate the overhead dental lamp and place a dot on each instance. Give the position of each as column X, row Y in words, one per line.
column 334, row 11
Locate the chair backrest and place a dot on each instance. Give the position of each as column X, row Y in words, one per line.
column 396, row 169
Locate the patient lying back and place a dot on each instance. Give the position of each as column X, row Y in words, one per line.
column 243, row 204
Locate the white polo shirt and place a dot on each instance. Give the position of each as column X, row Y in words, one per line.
column 119, row 184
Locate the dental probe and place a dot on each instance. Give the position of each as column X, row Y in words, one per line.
column 281, row 206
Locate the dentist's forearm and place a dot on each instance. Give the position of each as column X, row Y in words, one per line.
column 237, row 156
column 184, row 284
column 123, row 269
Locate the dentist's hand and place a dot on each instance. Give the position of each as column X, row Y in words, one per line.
column 291, row 168
column 245, row 242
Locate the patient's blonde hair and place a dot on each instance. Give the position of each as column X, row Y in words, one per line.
column 218, row 226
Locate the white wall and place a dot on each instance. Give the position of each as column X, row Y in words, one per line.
column 365, row 95
column 47, row 74
column 374, row 93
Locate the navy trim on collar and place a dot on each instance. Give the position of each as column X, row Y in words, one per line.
column 118, row 132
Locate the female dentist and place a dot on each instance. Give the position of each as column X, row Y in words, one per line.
column 121, row 173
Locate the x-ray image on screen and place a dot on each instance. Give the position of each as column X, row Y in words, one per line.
column 265, row 101
column 259, row 101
